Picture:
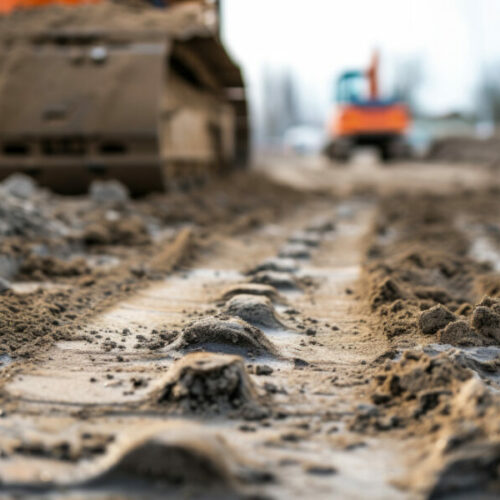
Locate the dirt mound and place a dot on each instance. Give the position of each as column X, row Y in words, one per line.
column 417, row 275
column 306, row 238
column 435, row 318
column 321, row 225
column 256, row 310
column 295, row 251
column 209, row 383
column 466, row 150
column 20, row 186
column 28, row 215
column 486, row 319
column 40, row 267
column 275, row 264
column 417, row 384
column 181, row 455
column 116, row 229
column 460, row 333
column 281, row 281
column 224, row 334
column 466, row 454
column 256, row 289
column 108, row 192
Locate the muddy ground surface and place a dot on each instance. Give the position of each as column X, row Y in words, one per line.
column 301, row 331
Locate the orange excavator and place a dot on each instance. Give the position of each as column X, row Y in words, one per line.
column 363, row 118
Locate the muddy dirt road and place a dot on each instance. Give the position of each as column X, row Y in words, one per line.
column 313, row 332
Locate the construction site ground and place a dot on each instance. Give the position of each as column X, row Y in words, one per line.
column 300, row 330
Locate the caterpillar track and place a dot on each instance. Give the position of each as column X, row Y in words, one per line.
column 146, row 96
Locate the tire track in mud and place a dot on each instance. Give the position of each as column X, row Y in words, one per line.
column 281, row 390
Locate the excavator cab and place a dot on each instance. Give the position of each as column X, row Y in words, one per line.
column 363, row 118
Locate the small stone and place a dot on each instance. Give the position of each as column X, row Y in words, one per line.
column 263, row 370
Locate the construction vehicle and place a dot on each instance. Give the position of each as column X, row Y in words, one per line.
column 363, row 118
column 115, row 89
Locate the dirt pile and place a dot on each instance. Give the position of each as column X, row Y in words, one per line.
column 279, row 280
column 467, row 454
column 417, row 275
column 108, row 192
column 181, row 455
column 439, row 396
column 224, row 334
column 466, row 150
column 63, row 240
column 210, row 383
column 417, row 384
column 276, row 264
column 255, row 310
column 295, row 251
column 307, row 238
column 117, row 229
column 25, row 211
column 256, row 289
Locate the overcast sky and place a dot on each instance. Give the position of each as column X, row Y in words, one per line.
column 317, row 39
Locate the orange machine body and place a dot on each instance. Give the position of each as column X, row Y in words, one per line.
column 7, row 6
column 362, row 118
column 352, row 119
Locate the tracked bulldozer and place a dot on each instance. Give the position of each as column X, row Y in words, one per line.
column 124, row 90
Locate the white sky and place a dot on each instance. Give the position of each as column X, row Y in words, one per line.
column 318, row 39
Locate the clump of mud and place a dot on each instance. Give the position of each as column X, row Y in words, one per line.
column 116, row 229
column 181, row 455
column 307, row 238
column 486, row 319
column 275, row 264
column 224, row 334
column 209, row 383
column 467, row 453
column 295, row 251
column 466, row 150
column 321, row 225
column 463, row 459
column 40, row 267
column 281, row 281
column 417, row 275
column 257, row 289
column 417, row 384
column 25, row 211
column 439, row 398
column 108, row 192
column 256, row 310
column 435, row 318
